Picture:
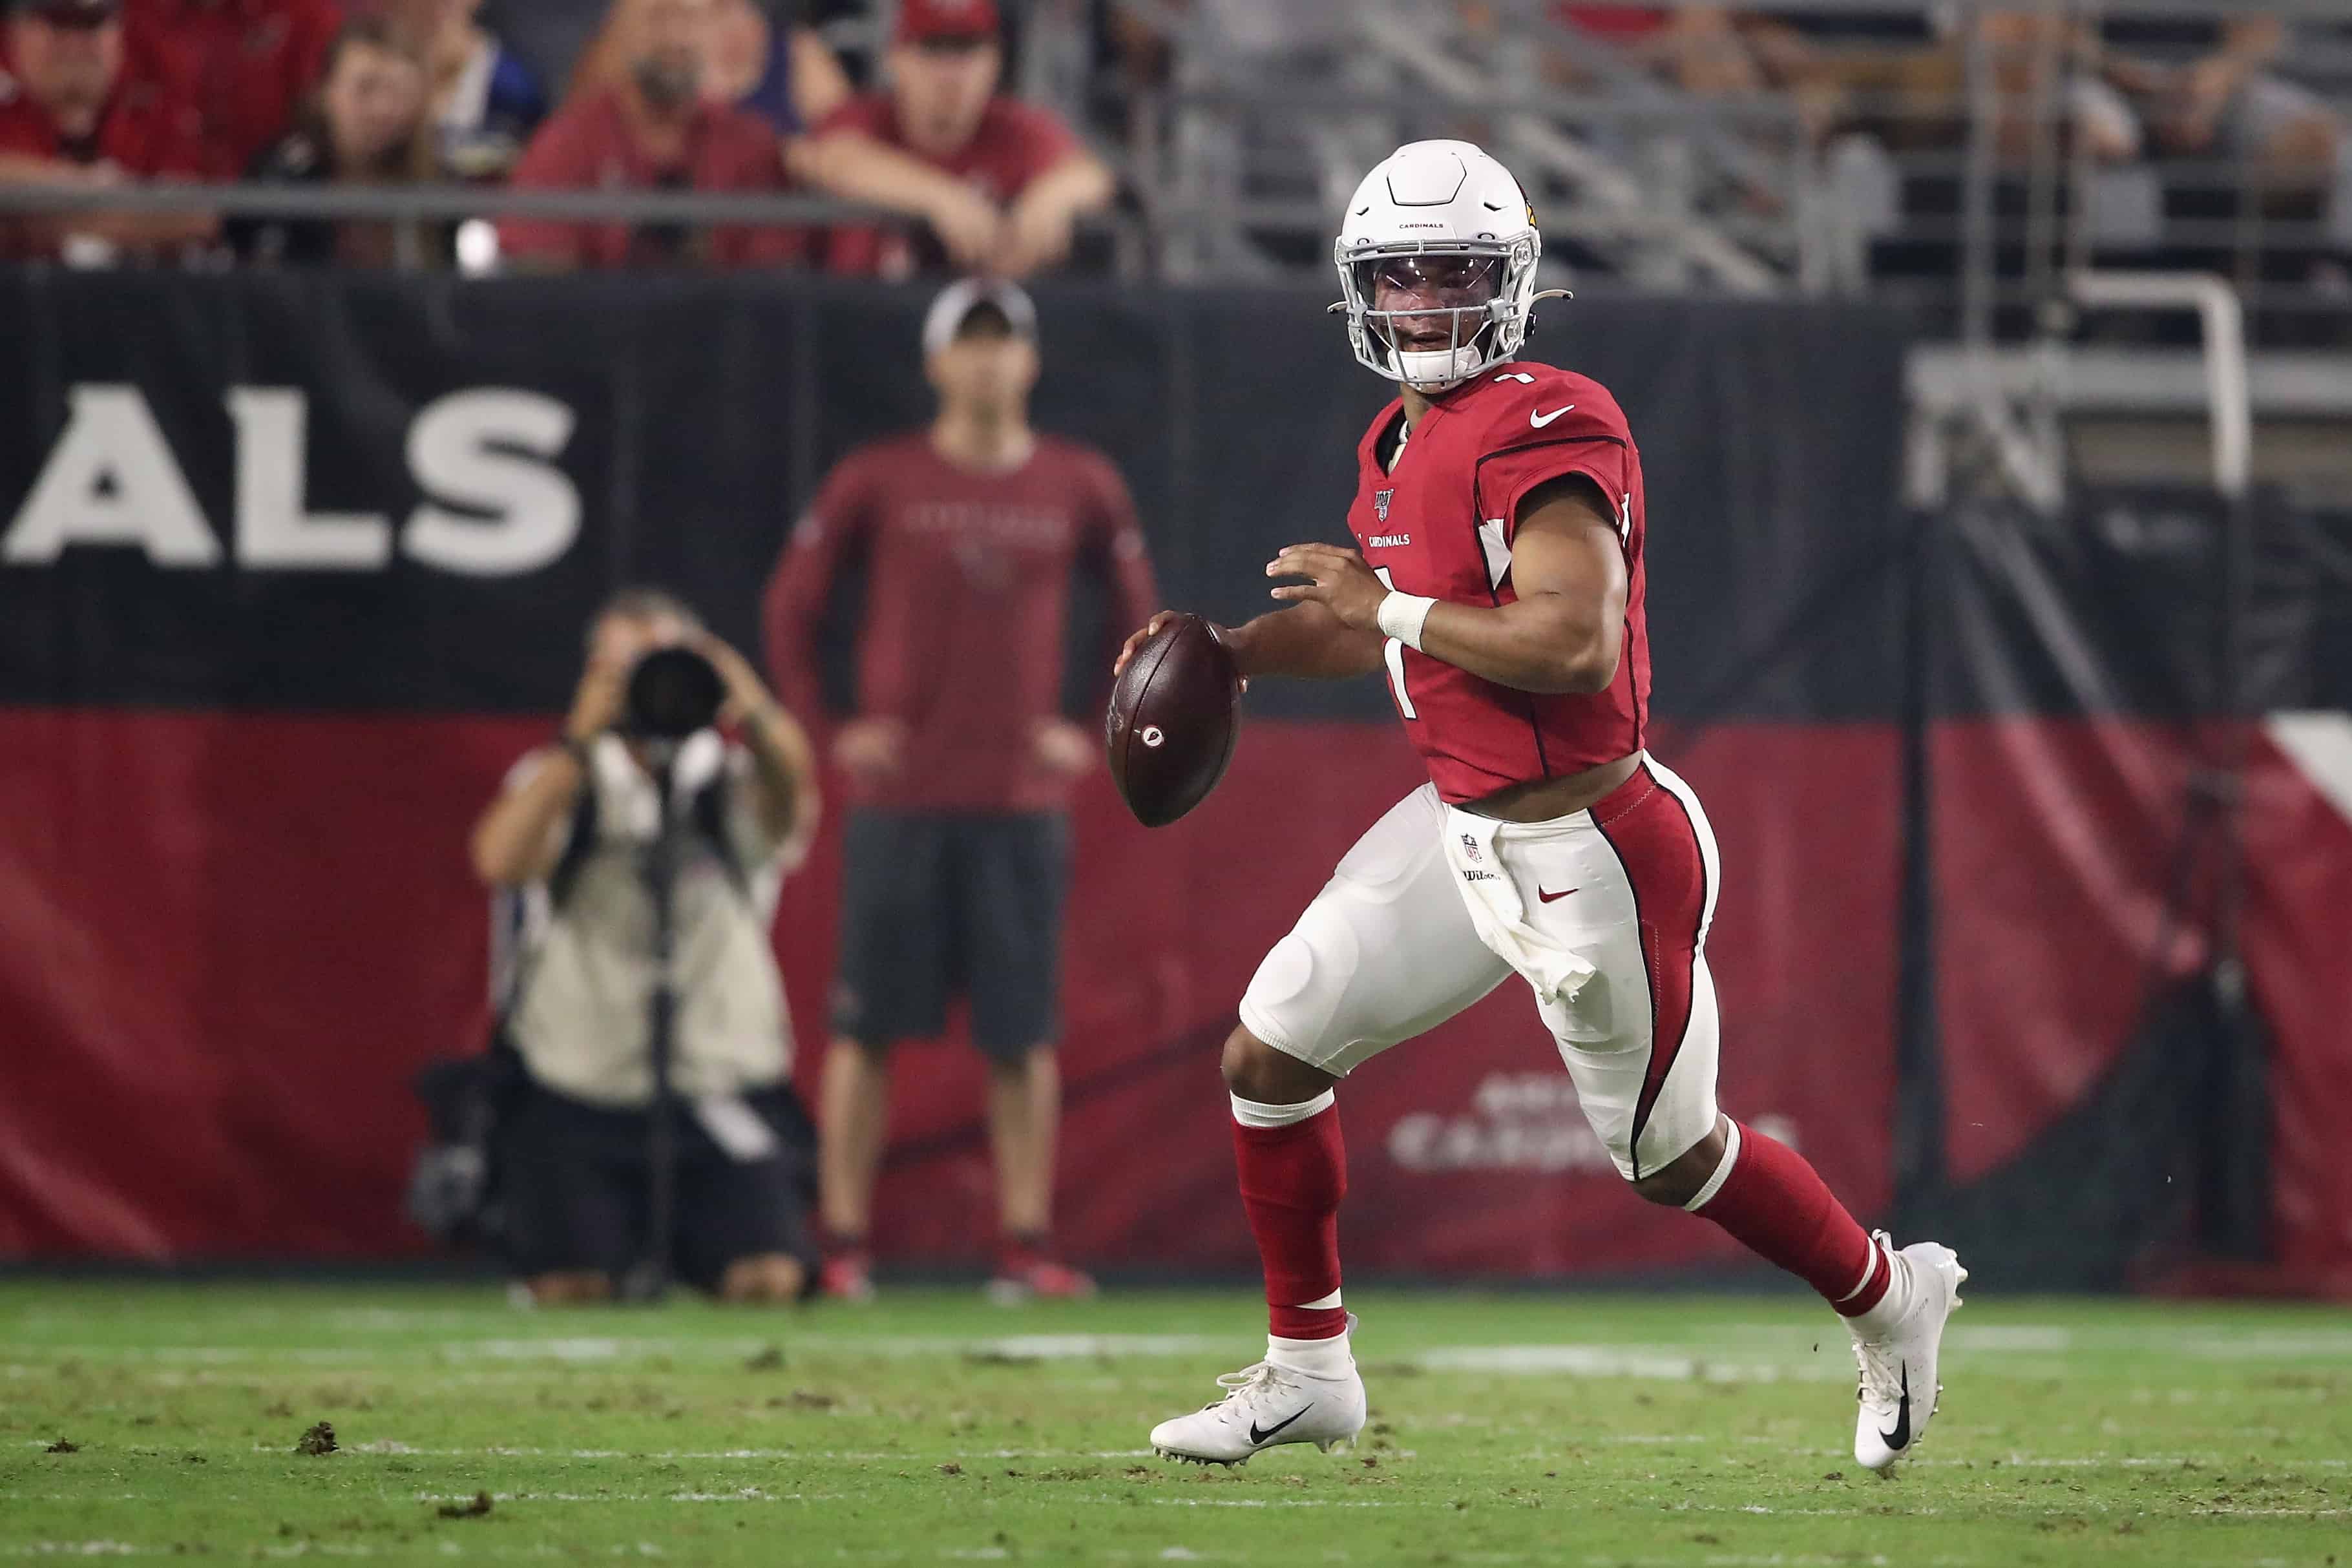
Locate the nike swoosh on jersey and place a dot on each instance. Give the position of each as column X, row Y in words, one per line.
column 1541, row 420
column 1550, row 897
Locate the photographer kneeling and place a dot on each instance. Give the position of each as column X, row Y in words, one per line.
column 657, row 1134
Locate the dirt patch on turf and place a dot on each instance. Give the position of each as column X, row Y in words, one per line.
column 771, row 1359
column 473, row 1507
column 319, row 1439
column 805, row 1399
column 63, row 1445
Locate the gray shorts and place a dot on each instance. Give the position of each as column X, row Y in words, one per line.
column 933, row 907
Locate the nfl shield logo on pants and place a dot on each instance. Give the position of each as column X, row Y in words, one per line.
column 1381, row 504
column 1470, row 849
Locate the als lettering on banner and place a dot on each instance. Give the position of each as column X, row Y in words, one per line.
column 520, row 511
column 112, row 480
column 485, row 458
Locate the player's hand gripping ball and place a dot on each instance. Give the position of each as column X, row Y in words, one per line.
column 1338, row 580
column 1175, row 713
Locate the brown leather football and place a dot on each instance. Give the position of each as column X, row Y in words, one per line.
column 1173, row 719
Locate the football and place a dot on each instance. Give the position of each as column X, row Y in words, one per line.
column 1174, row 716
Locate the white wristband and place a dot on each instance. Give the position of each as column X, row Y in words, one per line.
column 1401, row 615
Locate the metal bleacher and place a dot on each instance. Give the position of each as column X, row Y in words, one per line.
column 1945, row 174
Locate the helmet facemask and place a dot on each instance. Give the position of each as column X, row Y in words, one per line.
column 1432, row 314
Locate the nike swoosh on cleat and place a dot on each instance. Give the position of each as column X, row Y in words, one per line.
column 1258, row 1436
column 1548, row 897
column 1899, row 1439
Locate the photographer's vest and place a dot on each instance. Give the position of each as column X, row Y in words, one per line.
column 585, row 976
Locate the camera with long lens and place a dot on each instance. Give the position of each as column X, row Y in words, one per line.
column 673, row 692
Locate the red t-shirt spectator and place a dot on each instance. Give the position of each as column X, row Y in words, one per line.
column 967, row 596
column 1618, row 24
column 244, row 65
column 590, row 144
column 1015, row 144
column 141, row 132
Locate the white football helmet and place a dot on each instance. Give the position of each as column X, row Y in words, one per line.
column 1452, row 228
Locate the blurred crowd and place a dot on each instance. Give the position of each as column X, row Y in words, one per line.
column 2232, row 116
column 918, row 116
column 662, row 95
column 2128, row 86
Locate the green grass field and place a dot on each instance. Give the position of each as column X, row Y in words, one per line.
column 153, row 1420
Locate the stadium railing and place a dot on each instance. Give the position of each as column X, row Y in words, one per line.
column 1114, row 235
column 1858, row 190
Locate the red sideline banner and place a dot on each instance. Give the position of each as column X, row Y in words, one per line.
column 223, row 971
column 2046, row 924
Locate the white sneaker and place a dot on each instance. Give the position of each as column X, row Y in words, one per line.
column 1898, row 1389
column 1269, row 1405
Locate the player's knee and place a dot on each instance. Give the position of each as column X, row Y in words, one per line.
column 1681, row 1179
column 1256, row 1070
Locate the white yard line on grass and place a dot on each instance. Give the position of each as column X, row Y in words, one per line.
column 742, row 1494
column 879, row 1456
column 1668, row 1362
column 1655, row 1363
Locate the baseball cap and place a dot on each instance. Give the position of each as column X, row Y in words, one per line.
column 944, row 321
column 922, row 21
column 67, row 13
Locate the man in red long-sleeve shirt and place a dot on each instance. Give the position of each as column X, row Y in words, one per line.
column 72, row 116
column 959, row 760
column 245, row 66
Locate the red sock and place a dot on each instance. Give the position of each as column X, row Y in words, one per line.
column 1778, row 1208
column 1292, row 1179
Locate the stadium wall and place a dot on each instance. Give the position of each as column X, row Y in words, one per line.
column 295, row 565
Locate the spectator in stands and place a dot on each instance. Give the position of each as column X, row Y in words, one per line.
column 2228, row 102
column 572, row 829
column 364, row 125
column 1000, row 182
column 652, row 128
column 786, row 75
column 1697, row 47
column 484, row 103
column 246, row 65
column 959, row 756
column 69, row 118
column 1916, row 98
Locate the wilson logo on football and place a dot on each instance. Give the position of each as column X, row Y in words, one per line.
column 1151, row 735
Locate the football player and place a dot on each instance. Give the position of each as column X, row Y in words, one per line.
column 1499, row 579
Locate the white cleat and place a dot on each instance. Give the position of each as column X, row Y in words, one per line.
column 1899, row 1390
column 1269, row 1405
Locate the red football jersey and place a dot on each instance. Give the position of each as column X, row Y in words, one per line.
column 591, row 141
column 967, row 596
column 1440, row 526
column 244, row 65
column 1013, row 144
